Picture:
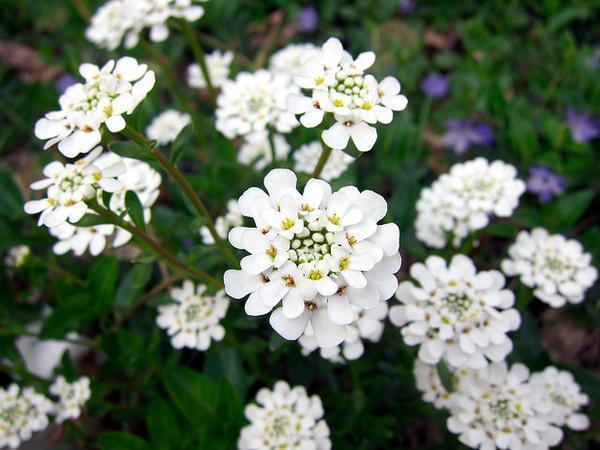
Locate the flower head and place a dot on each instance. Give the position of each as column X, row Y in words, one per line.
column 285, row 418
column 463, row 200
column 584, row 128
column 341, row 85
column 253, row 102
column 306, row 158
column 107, row 94
column 544, row 183
column 256, row 150
column 313, row 255
column 460, row 135
column 218, row 69
column 455, row 313
column 290, row 60
column 193, row 320
column 233, row 218
column 71, row 397
column 435, row 85
column 165, row 127
column 80, row 239
column 555, row 267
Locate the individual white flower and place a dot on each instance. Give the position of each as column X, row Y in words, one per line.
column 428, row 381
column 256, row 150
column 340, row 85
column 194, row 319
column 17, row 256
column 566, row 397
column 254, row 102
column 555, row 267
column 126, row 19
column 232, row 218
column 462, row 201
column 456, row 313
column 312, row 256
column 290, row 60
column 217, row 64
column 71, row 397
column 368, row 326
column 285, row 418
column 68, row 186
column 306, row 158
column 499, row 408
column 165, row 127
column 80, row 239
column 22, row 412
column 107, row 94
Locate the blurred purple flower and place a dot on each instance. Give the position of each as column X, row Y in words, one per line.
column 583, row 127
column 435, row 85
column 307, row 19
column 407, row 7
column 461, row 134
column 64, row 81
column 544, row 183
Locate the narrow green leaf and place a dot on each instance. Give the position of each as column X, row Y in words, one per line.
column 162, row 426
column 103, row 278
column 91, row 220
column 135, row 209
column 120, row 440
column 568, row 208
column 446, row 376
column 178, row 145
column 130, row 150
column 11, row 202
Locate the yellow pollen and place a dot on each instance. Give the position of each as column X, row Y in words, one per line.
column 351, row 239
column 337, row 102
column 289, row 281
column 334, row 219
column 367, row 106
column 87, row 129
column 348, row 123
column 344, row 263
column 108, row 110
column 315, row 275
column 311, row 306
column 97, row 175
column 272, row 252
column 319, row 80
column 306, row 207
column 287, row 223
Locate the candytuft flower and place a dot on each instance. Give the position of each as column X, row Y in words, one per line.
column 233, row 218
column 555, row 267
column 107, row 94
column 256, row 150
column 72, row 396
column 285, row 418
column 340, row 85
column 194, row 319
column 313, row 255
column 455, row 313
column 462, row 201
column 306, row 158
column 291, row 59
column 218, row 69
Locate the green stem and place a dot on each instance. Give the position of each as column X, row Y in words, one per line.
column 167, row 256
column 272, row 148
column 199, row 56
column 322, row 161
column 58, row 270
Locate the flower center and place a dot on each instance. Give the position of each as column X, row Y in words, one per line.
column 456, row 304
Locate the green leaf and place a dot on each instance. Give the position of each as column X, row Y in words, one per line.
column 162, row 425
column 229, row 404
column 130, row 150
column 91, row 220
column 446, row 376
column 120, row 440
column 132, row 285
column 194, row 394
column 225, row 362
column 135, row 209
column 178, row 144
column 64, row 319
column 11, row 202
column 103, row 278
column 567, row 209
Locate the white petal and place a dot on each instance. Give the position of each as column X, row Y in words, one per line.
column 337, row 136
column 290, row 329
column 327, row 334
column 339, row 310
column 115, row 124
column 363, row 135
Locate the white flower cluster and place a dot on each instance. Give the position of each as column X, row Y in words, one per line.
column 68, row 186
column 285, row 418
column 291, row 60
column 217, row 64
column 107, row 94
column 556, row 267
column 456, row 313
column 463, row 200
column 137, row 177
column 165, row 127
column 306, row 158
column 194, row 319
column 22, row 412
column 71, row 397
column 232, row 218
column 369, row 326
column 340, row 85
column 256, row 150
column 312, row 256
column 17, row 256
column 255, row 102
column 123, row 20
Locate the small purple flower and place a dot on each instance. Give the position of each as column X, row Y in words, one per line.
column 435, row 85
column 461, row 134
column 584, row 128
column 307, row 19
column 544, row 183
column 64, row 81
column 407, row 7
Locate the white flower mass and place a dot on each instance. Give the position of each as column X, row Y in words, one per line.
column 193, row 320
column 254, row 102
column 22, row 413
column 122, row 21
column 71, row 397
column 285, row 418
column 107, row 94
column 291, row 60
column 256, row 150
column 555, row 267
column 340, row 85
column 306, row 157
column 456, row 313
column 312, row 256
column 462, row 201
column 232, row 218
column 217, row 63
column 165, row 127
